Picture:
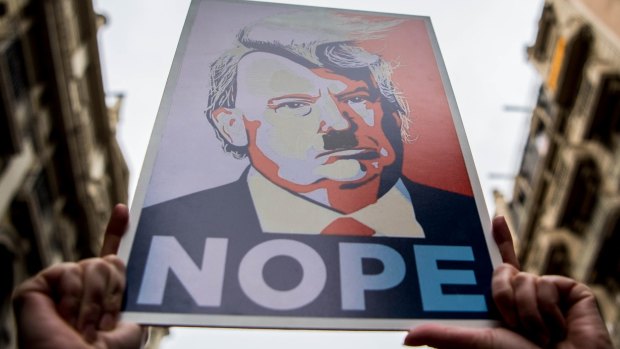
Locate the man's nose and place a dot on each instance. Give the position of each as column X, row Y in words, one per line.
column 332, row 117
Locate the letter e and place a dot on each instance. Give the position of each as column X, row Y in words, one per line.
column 431, row 279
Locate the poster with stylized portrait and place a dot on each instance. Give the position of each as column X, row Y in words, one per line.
column 308, row 169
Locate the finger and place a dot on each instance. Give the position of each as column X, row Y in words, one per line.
column 114, row 294
column 503, row 293
column 42, row 282
column 549, row 306
column 96, row 276
column 70, row 290
column 119, row 219
column 452, row 337
column 503, row 239
column 45, row 283
column 125, row 336
column 526, row 302
column 569, row 290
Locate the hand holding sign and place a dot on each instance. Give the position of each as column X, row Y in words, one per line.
column 77, row 305
column 538, row 312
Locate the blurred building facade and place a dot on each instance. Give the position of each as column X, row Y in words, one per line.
column 61, row 170
column 565, row 207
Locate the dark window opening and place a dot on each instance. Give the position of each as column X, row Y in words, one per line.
column 535, row 151
column 4, row 8
column 23, row 218
column 521, row 198
column 577, row 51
column 17, row 69
column 44, row 196
column 606, row 116
column 584, row 100
column 9, row 141
column 14, row 85
column 545, row 28
column 544, row 103
column 558, row 261
column 582, row 198
column 607, row 268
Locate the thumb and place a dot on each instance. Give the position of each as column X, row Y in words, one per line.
column 454, row 337
column 119, row 219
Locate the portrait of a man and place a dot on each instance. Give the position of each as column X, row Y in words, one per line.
column 322, row 125
column 298, row 160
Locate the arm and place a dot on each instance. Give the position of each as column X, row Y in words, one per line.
column 77, row 305
column 537, row 311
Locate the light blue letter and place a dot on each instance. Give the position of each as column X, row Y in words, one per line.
column 353, row 282
column 204, row 285
column 431, row 279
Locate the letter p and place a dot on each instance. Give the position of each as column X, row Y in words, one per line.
column 353, row 280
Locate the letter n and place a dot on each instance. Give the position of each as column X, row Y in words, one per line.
column 204, row 284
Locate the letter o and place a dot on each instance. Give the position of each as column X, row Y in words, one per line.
column 255, row 287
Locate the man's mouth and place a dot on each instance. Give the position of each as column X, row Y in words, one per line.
column 346, row 154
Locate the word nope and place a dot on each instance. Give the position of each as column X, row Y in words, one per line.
column 204, row 281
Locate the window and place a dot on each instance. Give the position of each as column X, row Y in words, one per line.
column 546, row 27
column 558, row 262
column 585, row 97
column 535, row 151
column 567, row 66
column 43, row 194
column 544, row 103
column 32, row 216
column 606, row 112
column 13, row 87
column 84, row 20
column 582, row 198
column 15, row 62
column 607, row 267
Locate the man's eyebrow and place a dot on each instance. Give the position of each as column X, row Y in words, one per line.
column 307, row 97
column 346, row 94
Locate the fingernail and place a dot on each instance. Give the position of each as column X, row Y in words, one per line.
column 107, row 322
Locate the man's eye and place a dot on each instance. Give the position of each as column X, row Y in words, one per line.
column 294, row 108
column 357, row 99
column 292, row 105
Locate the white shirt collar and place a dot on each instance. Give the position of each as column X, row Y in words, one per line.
column 280, row 211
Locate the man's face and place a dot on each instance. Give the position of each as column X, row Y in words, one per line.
column 309, row 129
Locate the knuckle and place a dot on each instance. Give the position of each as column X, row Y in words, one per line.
column 502, row 293
column 504, row 268
column 115, row 262
column 113, row 303
column 71, row 270
column 91, row 311
column 521, row 279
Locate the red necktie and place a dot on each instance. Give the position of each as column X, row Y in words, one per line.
column 347, row 226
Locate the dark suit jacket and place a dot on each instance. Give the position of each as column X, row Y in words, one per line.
column 229, row 211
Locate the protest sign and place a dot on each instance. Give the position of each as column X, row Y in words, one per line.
column 308, row 169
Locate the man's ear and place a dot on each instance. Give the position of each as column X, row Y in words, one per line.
column 229, row 122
